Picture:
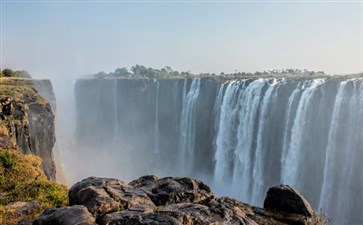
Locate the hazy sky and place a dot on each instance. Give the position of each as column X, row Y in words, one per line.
column 63, row 38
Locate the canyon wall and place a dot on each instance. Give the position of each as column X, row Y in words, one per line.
column 240, row 136
column 27, row 120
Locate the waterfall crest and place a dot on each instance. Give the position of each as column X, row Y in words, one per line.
column 240, row 136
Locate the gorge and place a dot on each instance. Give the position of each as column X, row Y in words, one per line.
column 241, row 136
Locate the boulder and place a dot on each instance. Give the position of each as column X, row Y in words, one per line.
column 181, row 200
column 143, row 181
column 285, row 199
column 170, row 190
column 71, row 215
column 103, row 195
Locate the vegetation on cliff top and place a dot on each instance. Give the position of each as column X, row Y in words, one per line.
column 16, row 73
column 22, row 182
column 140, row 71
column 22, row 90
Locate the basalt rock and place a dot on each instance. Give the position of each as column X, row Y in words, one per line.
column 72, row 215
column 27, row 121
column 285, row 199
column 177, row 201
column 170, row 190
column 103, row 195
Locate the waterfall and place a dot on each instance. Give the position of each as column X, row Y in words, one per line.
column 291, row 167
column 224, row 141
column 115, row 113
column 288, row 122
column 258, row 170
column 187, row 125
column 339, row 166
column 241, row 136
column 156, row 140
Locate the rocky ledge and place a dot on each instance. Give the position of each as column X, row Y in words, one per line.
column 173, row 201
column 27, row 119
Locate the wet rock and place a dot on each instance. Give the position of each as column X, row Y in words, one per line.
column 71, row 215
column 286, row 199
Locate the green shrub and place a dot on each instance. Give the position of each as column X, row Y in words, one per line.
column 7, row 160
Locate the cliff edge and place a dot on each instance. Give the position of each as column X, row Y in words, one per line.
column 27, row 120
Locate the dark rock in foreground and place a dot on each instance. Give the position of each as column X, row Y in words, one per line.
column 66, row 216
column 284, row 198
column 175, row 201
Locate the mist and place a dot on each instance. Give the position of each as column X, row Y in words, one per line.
column 241, row 135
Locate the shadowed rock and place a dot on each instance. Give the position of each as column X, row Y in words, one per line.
column 72, row 215
column 104, row 195
column 286, row 199
column 180, row 200
column 170, row 190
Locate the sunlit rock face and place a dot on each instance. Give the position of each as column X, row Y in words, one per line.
column 240, row 136
column 27, row 120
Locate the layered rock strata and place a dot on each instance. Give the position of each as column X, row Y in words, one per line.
column 27, row 121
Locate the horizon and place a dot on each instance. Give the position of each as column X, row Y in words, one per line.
column 68, row 39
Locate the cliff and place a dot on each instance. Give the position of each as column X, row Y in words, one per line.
column 241, row 135
column 27, row 120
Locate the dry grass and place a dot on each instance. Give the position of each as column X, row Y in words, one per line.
column 16, row 88
column 4, row 130
column 21, row 179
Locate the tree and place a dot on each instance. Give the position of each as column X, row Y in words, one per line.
column 8, row 73
column 121, row 72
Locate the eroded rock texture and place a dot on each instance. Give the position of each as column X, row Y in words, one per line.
column 27, row 122
column 175, row 201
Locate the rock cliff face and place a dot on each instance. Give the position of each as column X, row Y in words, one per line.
column 27, row 121
column 244, row 135
column 173, row 201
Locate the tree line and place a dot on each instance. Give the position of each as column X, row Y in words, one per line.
column 140, row 71
column 14, row 73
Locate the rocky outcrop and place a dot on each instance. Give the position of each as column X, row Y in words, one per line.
column 174, row 201
column 66, row 216
column 27, row 121
column 284, row 198
column 45, row 89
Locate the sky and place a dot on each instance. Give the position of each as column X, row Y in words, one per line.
column 72, row 38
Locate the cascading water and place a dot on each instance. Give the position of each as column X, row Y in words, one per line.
column 187, row 125
column 292, row 163
column 241, row 136
column 115, row 119
column 156, row 148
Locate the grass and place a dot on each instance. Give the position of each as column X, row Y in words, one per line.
column 3, row 130
column 18, row 88
column 21, row 179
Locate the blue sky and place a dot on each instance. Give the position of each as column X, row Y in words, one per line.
column 65, row 38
